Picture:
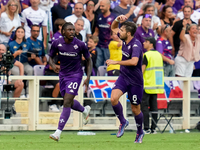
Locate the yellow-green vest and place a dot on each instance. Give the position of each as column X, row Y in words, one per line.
column 154, row 74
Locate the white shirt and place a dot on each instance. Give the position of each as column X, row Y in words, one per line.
column 6, row 25
column 30, row 17
column 154, row 19
column 86, row 29
column 194, row 17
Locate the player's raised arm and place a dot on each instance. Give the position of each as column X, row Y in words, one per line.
column 115, row 23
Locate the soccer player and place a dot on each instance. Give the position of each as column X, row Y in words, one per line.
column 130, row 79
column 70, row 51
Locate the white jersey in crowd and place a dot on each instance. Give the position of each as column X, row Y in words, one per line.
column 86, row 29
column 194, row 17
column 6, row 25
column 30, row 17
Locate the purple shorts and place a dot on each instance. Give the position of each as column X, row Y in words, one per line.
column 134, row 92
column 69, row 85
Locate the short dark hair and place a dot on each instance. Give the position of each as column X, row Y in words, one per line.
column 20, row 27
column 35, row 25
column 187, row 7
column 65, row 26
column 59, row 22
column 130, row 27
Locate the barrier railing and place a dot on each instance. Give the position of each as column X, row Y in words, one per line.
column 75, row 121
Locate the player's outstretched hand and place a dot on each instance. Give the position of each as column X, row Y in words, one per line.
column 86, row 83
column 111, row 62
column 56, row 68
column 122, row 18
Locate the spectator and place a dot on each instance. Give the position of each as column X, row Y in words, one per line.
column 155, row 21
column 144, row 30
column 5, row 2
column 166, row 17
column 79, row 24
column 195, row 16
column 58, row 24
column 19, row 48
column 36, row 52
column 115, row 48
column 92, row 43
column 90, row 15
column 189, row 50
column 176, row 30
column 48, row 71
column 78, row 12
column 18, row 84
column 61, row 10
column 103, row 31
column 164, row 47
column 152, row 69
column 124, row 9
column 170, row 3
column 9, row 21
column 35, row 15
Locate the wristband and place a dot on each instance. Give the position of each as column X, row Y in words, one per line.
column 184, row 29
column 116, row 20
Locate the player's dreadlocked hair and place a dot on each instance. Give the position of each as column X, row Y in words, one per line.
column 65, row 26
column 130, row 27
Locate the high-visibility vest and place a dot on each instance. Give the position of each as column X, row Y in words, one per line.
column 154, row 74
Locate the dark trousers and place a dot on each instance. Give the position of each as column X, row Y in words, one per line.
column 149, row 103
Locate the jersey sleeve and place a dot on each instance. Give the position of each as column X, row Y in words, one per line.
column 159, row 46
column 44, row 23
column 136, row 49
column 85, row 51
column 54, row 49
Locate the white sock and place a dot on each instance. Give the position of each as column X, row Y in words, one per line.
column 58, row 132
column 85, row 111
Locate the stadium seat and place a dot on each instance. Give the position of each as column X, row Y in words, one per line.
column 39, row 70
column 102, row 71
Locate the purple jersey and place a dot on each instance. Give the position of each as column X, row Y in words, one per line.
column 140, row 34
column 4, row 2
column 70, row 56
column 26, row 2
column 104, row 26
column 132, row 74
column 56, row 36
column 164, row 47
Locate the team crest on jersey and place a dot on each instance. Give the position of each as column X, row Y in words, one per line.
column 75, row 46
column 24, row 45
column 32, row 43
column 109, row 19
column 166, row 42
column 129, row 47
column 38, row 43
column 100, row 18
column 142, row 33
column 150, row 34
column 15, row 47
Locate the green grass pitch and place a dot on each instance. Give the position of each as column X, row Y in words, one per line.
column 103, row 140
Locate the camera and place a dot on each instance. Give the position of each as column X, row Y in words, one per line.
column 7, row 60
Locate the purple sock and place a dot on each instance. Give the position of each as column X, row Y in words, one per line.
column 119, row 112
column 139, row 120
column 77, row 106
column 64, row 117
